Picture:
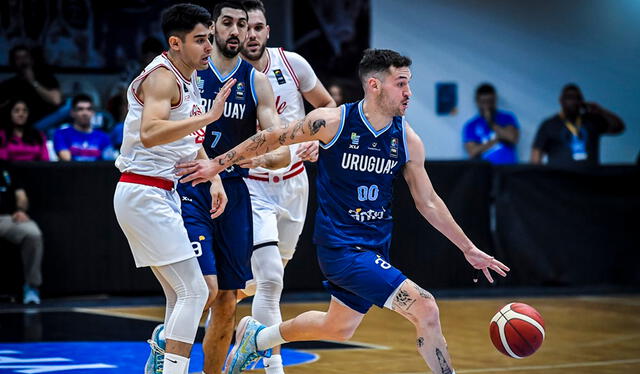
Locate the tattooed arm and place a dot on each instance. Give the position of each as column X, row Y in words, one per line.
column 321, row 124
column 434, row 210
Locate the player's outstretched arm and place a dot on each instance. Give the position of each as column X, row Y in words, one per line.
column 320, row 124
column 158, row 91
column 433, row 209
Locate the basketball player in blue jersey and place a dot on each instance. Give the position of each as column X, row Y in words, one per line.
column 224, row 245
column 364, row 147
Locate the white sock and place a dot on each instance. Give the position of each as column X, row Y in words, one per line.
column 273, row 364
column 174, row 364
column 269, row 337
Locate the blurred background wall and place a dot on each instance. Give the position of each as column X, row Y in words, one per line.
column 528, row 49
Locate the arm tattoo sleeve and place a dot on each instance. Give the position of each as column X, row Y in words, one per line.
column 316, row 125
column 227, row 157
column 298, row 128
column 257, row 141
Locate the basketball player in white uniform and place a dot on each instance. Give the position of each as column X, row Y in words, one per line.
column 165, row 126
column 278, row 197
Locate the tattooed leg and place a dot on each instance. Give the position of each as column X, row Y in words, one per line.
column 419, row 307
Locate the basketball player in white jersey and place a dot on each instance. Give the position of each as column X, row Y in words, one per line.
column 278, row 197
column 164, row 126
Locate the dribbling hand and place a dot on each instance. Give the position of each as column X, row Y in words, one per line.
column 482, row 261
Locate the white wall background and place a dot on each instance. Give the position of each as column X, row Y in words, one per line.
column 528, row 49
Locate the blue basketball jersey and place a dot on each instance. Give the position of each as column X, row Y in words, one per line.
column 238, row 121
column 356, row 171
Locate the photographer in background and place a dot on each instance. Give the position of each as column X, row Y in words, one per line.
column 492, row 134
column 572, row 137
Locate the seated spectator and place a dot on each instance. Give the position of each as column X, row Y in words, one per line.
column 492, row 134
column 572, row 137
column 19, row 141
column 32, row 82
column 18, row 228
column 80, row 142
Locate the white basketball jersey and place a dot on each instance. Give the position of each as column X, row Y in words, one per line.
column 286, row 88
column 160, row 160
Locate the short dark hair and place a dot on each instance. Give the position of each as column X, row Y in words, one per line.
column 572, row 87
column 380, row 60
column 233, row 4
column 484, row 89
column 250, row 5
column 180, row 19
column 81, row 98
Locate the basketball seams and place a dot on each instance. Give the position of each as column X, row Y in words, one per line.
column 503, row 337
column 528, row 319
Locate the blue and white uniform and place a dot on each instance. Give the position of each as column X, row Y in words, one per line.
column 224, row 245
column 356, row 170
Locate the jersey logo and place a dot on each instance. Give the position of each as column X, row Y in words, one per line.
column 240, row 91
column 184, row 86
column 200, row 83
column 199, row 134
column 280, row 105
column 355, row 141
column 279, row 76
column 394, row 148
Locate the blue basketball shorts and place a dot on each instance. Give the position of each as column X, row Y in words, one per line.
column 358, row 277
column 223, row 245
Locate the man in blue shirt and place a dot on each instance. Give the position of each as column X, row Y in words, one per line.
column 492, row 134
column 80, row 142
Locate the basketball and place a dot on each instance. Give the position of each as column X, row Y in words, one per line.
column 517, row 330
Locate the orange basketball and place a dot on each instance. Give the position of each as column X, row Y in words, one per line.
column 517, row 330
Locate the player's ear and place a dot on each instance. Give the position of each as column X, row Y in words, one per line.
column 175, row 43
column 268, row 31
column 373, row 83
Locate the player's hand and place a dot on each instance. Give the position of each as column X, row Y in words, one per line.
column 252, row 163
column 482, row 261
column 308, row 151
column 217, row 108
column 218, row 197
column 198, row 171
column 20, row 216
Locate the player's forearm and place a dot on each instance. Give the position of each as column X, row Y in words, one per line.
column 277, row 159
column 157, row 132
column 437, row 214
column 508, row 134
column 475, row 149
column 266, row 141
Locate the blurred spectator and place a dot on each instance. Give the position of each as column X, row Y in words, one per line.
column 80, row 142
column 18, row 228
column 492, row 134
column 32, row 82
column 572, row 137
column 336, row 92
column 19, row 141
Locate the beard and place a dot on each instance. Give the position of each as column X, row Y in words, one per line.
column 226, row 52
column 254, row 56
column 388, row 106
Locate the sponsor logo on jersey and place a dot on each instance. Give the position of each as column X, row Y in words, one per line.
column 366, row 215
column 240, row 91
column 187, row 199
column 279, row 76
column 366, row 163
column 200, row 83
column 373, row 147
column 184, row 87
column 280, row 106
column 355, row 141
column 196, row 110
column 394, row 148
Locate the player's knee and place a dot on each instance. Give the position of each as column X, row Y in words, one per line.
column 340, row 330
column 427, row 313
column 197, row 292
column 271, row 286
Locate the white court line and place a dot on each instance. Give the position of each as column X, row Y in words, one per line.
column 543, row 367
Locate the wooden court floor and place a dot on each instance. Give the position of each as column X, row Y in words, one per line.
column 583, row 335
